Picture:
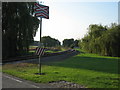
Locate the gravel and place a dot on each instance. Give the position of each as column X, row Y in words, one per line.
column 65, row 84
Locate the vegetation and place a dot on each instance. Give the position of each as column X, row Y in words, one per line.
column 70, row 43
column 89, row 70
column 50, row 49
column 50, row 42
column 32, row 47
column 19, row 26
column 102, row 40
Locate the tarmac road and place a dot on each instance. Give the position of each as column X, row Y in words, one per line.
column 9, row 81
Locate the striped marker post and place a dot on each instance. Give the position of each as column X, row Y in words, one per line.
column 40, row 51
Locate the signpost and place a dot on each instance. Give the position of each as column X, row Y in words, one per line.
column 40, row 45
column 41, row 11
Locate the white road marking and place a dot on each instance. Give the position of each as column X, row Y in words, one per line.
column 13, row 79
column 35, row 86
column 19, row 81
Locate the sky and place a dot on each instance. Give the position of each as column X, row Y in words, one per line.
column 70, row 19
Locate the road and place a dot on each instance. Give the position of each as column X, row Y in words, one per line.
column 9, row 81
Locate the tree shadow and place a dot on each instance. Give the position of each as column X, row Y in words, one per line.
column 107, row 65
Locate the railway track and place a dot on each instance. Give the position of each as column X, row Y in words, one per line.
column 27, row 57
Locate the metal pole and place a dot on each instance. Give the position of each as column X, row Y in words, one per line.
column 40, row 45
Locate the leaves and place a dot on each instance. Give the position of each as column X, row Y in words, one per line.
column 19, row 27
column 50, row 42
column 102, row 40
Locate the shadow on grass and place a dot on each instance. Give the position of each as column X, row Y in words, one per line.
column 107, row 65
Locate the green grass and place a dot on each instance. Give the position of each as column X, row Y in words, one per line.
column 89, row 70
column 32, row 51
column 49, row 51
column 32, row 47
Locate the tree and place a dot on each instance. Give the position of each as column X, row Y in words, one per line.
column 19, row 26
column 50, row 42
column 102, row 40
column 68, row 42
column 76, row 43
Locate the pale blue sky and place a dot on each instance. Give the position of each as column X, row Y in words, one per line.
column 71, row 19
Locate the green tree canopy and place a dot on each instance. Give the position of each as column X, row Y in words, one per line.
column 102, row 40
column 70, row 43
column 19, row 26
column 50, row 42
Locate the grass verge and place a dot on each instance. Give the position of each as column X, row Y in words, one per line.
column 89, row 70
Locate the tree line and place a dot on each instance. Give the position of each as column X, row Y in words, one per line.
column 102, row 40
column 70, row 43
column 48, row 41
column 19, row 26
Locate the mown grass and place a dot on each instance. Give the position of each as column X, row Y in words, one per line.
column 89, row 70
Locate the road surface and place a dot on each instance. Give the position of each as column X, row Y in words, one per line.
column 9, row 81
